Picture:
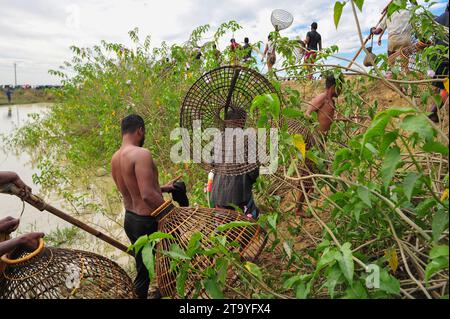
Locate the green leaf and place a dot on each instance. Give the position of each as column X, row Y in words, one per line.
column 140, row 243
column 439, row 223
column 356, row 291
column 389, row 283
column 359, row 4
column 418, row 124
column 396, row 111
column 334, row 277
column 290, row 112
column 408, row 184
column 439, row 251
column 435, row 147
column 148, row 258
column 159, row 235
column 377, row 127
column 234, row 225
column 303, row 290
column 253, row 269
column 194, row 244
column 212, row 289
column 181, row 281
column 434, row 266
column 329, row 256
column 345, row 262
column 338, row 6
column 176, row 253
column 364, row 194
column 272, row 220
column 391, row 160
column 292, row 281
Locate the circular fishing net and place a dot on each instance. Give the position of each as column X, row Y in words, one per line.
column 56, row 273
column 281, row 19
column 221, row 99
column 182, row 223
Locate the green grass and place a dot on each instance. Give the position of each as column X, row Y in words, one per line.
column 64, row 236
column 27, row 96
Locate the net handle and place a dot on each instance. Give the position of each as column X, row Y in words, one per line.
column 36, row 252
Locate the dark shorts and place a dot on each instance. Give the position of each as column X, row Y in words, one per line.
column 136, row 226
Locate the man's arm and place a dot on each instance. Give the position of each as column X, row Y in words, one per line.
column 265, row 52
column 315, row 104
column 29, row 241
column 320, row 44
column 381, row 37
column 147, row 181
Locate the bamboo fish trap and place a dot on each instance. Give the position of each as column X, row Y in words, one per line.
column 55, row 273
column 182, row 223
column 209, row 101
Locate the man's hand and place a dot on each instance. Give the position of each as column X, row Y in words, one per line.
column 376, row 30
column 11, row 177
column 8, row 225
column 25, row 189
column 169, row 187
column 30, row 241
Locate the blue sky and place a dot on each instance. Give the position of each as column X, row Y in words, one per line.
column 37, row 34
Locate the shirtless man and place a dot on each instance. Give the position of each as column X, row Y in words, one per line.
column 323, row 104
column 136, row 177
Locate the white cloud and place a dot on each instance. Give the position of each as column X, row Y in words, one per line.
column 37, row 34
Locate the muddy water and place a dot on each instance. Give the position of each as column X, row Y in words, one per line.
column 12, row 118
column 15, row 117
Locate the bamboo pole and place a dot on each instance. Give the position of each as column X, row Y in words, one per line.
column 40, row 204
column 384, row 12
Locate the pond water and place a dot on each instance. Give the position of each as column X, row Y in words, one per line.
column 12, row 118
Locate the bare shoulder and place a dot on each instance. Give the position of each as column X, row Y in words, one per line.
column 319, row 99
column 115, row 156
column 142, row 154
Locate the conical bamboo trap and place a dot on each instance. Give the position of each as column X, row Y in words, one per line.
column 182, row 223
column 211, row 98
column 55, row 273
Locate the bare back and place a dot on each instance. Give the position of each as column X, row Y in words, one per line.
column 324, row 106
column 136, row 177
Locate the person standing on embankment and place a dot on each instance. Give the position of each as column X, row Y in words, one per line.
column 136, row 176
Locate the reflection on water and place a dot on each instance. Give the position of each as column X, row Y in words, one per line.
column 12, row 118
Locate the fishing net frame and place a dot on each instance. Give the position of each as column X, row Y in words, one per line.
column 281, row 19
column 57, row 273
column 210, row 98
column 182, row 223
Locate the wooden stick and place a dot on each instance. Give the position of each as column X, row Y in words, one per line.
column 40, row 204
column 384, row 12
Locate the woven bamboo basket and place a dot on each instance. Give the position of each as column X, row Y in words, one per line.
column 210, row 99
column 55, row 273
column 182, row 223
